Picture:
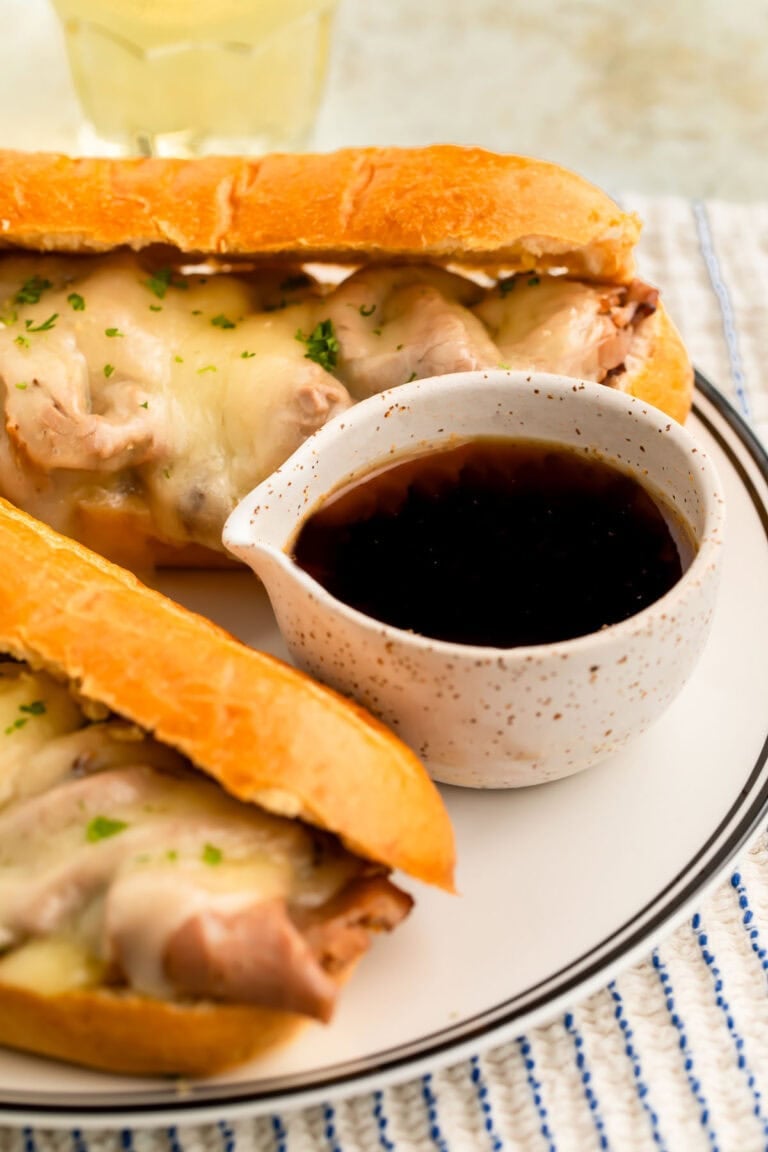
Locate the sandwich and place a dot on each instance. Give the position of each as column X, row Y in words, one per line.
column 196, row 840
column 173, row 329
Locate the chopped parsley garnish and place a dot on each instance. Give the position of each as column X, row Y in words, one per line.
column 167, row 473
column 31, row 290
column 145, row 404
column 44, row 327
column 411, row 378
column 367, row 311
column 171, row 854
column 102, row 827
column 207, row 368
column 160, row 281
column 21, row 341
column 108, row 370
column 36, row 708
column 222, row 321
column 197, row 311
column 155, row 307
column 113, row 332
column 76, row 302
column 247, row 355
column 22, row 385
column 533, row 280
column 376, row 331
column 506, row 286
column 504, row 365
column 9, row 317
column 322, row 345
column 212, row 855
column 179, row 359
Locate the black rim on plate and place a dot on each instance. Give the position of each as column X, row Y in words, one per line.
column 201, row 1097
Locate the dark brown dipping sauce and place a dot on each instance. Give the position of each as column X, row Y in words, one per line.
column 494, row 542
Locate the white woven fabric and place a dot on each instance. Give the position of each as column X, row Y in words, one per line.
column 674, row 1054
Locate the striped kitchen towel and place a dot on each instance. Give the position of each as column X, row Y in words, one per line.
column 674, row 1053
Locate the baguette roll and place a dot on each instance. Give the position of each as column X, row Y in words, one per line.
column 195, row 839
column 173, row 329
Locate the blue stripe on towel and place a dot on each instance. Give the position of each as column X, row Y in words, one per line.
column 329, row 1131
column 586, row 1079
column 382, row 1122
column 535, row 1086
column 747, row 921
column 693, row 1081
column 484, row 1099
column 637, row 1072
column 738, row 1041
column 434, row 1122
column 719, row 287
column 279, row 1133
column 126, row 1140
column 79, row 1143
column 174, row 1143
column 228, row 1138
column 28, row 1137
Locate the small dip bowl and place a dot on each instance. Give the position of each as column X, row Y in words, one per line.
column 487, row 717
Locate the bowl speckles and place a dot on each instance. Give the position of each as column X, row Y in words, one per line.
column 489, row 717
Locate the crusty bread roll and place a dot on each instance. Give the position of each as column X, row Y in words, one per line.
column 444, row 203
column 139, row 446
column 266, row 733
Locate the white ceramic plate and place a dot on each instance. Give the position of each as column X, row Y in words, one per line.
column 561, row 886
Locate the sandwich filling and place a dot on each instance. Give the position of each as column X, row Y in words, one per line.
column 155, row 396
column 122, row 866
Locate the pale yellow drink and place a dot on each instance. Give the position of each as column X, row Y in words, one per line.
column 197, row 75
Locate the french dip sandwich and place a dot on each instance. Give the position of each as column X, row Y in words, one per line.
column 195, row 839
column 173, row 329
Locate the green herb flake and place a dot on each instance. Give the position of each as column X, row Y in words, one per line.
column 411, row 378
column 197, row 311
column 31, row 290
column 44, row 327
column 160, row 281
column 506, row 286
column 172, row 855
column 76, row 302
column 207, row 368
column 367, row 311
column 108, row 370
column 376, row 331
column 178, row 359
column 16, row 725
column 102, row 827
column 8, row 318
column 504, row 365
column 167, row 473
column 21, row 341
column 247, row 355
column 212, row 855
column 145, row 404
column 22, row 385
column 112, row 332
column 36, row 708
column 155, row 307
column 533, row 281
column 322, row 345
column 222, row 321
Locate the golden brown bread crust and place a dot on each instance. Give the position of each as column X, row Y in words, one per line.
column 442, row 203
column 121, row 1032
column 289, row 744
